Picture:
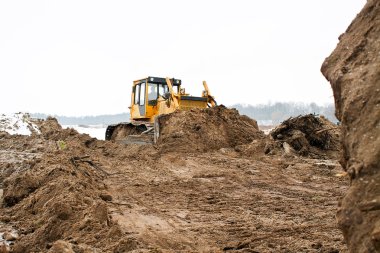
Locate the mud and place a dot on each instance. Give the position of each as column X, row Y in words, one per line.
column 68, row 192
column 353, row 70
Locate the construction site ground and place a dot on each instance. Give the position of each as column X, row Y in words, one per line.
column 67, row 191
column 221, row 201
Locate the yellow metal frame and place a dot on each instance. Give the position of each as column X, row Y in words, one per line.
column 163, row 106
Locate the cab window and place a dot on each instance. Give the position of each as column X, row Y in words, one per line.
column 137, row 94
column 162, row 89
column 142, row 94
column 152, row 92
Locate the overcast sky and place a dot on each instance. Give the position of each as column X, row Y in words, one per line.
column 80, row 57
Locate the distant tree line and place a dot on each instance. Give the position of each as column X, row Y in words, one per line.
column 266, row 114
column 275, row 113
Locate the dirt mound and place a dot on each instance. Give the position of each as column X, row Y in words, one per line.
column 201, row 130
column 307, row 135
column 353, row 70
column 58, row 194
column 59, row 199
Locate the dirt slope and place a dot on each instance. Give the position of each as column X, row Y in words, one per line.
column 207, row 129
column 353, row 70
column 54, row 191
column 67, row 192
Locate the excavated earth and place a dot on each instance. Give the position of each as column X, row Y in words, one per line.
column 67, row 192
column 307, row 135
column 353, row 70
column 205, row 130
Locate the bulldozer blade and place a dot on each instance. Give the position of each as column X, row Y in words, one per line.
column 130, row 133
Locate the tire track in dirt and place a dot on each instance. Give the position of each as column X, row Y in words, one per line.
column 198, row 203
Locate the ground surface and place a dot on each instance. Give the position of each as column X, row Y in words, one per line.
column 221, row 201
column 111, row 197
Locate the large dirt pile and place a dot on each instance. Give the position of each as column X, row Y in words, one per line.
column 353, row 70
column 308, row 135
column 201, row 130
column 59, row 194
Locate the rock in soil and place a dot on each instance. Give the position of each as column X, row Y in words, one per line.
column 10, row 236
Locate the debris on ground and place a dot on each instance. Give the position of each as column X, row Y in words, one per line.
column 307, row 135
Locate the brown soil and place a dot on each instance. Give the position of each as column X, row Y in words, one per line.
column 56, row 193
column 201, row 130
column 308, row 135
column 68, row 192
column 354, row 72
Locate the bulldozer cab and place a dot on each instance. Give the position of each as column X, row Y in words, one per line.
column 145, row 95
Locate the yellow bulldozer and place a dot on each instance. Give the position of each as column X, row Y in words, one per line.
column 152, row 97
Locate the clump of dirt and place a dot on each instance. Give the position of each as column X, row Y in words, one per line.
column 52, row 130
column 353, row 70
column 201, row 130
column 308, row 135
column 60, row 201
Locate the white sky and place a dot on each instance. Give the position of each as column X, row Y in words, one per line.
column 80, row 57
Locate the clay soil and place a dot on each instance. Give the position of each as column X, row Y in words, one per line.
column 353, row 70
column 68, row 192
